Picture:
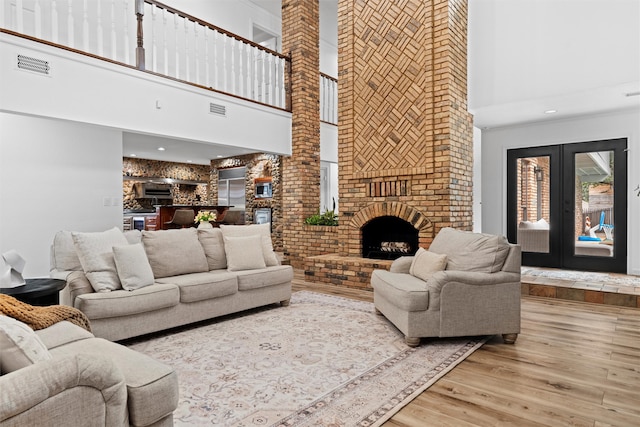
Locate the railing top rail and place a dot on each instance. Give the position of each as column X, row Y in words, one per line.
column 216, row 28
column 327, row 76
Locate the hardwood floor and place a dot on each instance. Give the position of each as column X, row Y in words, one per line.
column 574, row 364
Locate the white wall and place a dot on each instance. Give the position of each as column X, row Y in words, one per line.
column 55, row 175
column 496, row 142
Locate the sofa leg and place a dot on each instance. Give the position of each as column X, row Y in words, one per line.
column 285, row 303
column 412, row 341
column 378, row 312
column 509, row 338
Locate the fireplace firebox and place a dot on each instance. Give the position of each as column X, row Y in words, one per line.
column 388, row 237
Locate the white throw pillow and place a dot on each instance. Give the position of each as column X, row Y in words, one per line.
column 95, row 251
column 264, row 230
column 19, row 345
column 426, row 263
column 244, row 252
column 134, row 270
column 63, row 253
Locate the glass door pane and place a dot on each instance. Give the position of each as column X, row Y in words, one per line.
column 532, row 192
column 594, row 204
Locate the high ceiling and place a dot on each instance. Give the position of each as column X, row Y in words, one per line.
column 529, row 61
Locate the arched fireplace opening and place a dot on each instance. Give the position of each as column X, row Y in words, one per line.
column 388, row 237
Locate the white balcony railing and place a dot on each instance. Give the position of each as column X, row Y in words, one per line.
column 328, row 99
column 155, row 38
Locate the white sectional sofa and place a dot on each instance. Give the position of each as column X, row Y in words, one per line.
column 130, row 284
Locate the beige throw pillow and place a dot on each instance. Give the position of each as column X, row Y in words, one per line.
column 19, row 345
column 244, row 252
column 264, row 230
column 213, row 245
column 174, row 252
column 133, row 266
column 95, row 251
column 426, row 263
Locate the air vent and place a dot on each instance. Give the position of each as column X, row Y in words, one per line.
column 217, row 109
column 33, row 64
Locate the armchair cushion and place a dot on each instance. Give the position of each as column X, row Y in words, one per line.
column 19, row 345
column 468, row 251
column 408, row 293
column 425, row 263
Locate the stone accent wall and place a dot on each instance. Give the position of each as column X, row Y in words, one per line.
column 404, row 133
column 301, row 171
column 257, row 166
column 182, row 193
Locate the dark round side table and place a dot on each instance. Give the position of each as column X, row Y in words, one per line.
column 42, row 291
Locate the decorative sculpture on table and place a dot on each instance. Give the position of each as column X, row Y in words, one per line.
column 11, row 268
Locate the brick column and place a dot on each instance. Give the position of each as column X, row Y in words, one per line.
column 301, row 171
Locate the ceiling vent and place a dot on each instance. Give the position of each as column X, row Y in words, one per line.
column 39, row 66
column 217, row 109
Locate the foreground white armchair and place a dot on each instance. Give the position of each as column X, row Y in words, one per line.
column 474, row 290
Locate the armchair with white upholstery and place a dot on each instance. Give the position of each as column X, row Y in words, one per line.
column 466, row 284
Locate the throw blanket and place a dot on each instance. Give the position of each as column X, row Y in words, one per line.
column 41, row 317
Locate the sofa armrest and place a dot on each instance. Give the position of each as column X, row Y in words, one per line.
column 441, row 278
column 401, row 265
column 47, row 393
column 77, row 284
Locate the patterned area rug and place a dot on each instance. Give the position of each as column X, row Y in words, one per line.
column 322, row 361
column 583, row 276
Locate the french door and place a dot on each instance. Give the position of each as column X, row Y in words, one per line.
column 567, row 205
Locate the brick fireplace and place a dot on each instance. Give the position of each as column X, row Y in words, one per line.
column 404, row 133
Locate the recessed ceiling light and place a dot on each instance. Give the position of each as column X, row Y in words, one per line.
column 219, row 156
column 189, row 161
column 551, row 111
column 133, row 155
column 161, row 148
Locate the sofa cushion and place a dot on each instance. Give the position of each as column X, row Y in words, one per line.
column 407, row 292
column 213, row 245
column 264, row 230
column 244, row 253
column 123, row 303
column 152, row 387
column 264, row 277
column 425, row 263
column 174, row 252
column 133, row 266
column 467, row 251
column 19, row 345
column 63, row 253
column 202, row 286
column 95, row 251
column 62, row 333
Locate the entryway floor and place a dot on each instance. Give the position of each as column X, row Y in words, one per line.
column 586, row 286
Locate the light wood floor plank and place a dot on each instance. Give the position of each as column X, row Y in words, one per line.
column 573, row 364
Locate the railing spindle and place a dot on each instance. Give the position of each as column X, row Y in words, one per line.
column 126, row 42
column 19, row 16
column 206, row 57
column 99, row 35
column 240, row 69
column 177, row 51
column 165, row 56
column 224, row 65
column 85, row 26
column 54, row 21
column 196, row 51
column 154, row 47
column 113, row 30
column 263, row 92
column 70, row 25
column 37, row 19
column 186, row 49
column 216, row 82
column 248, row 50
